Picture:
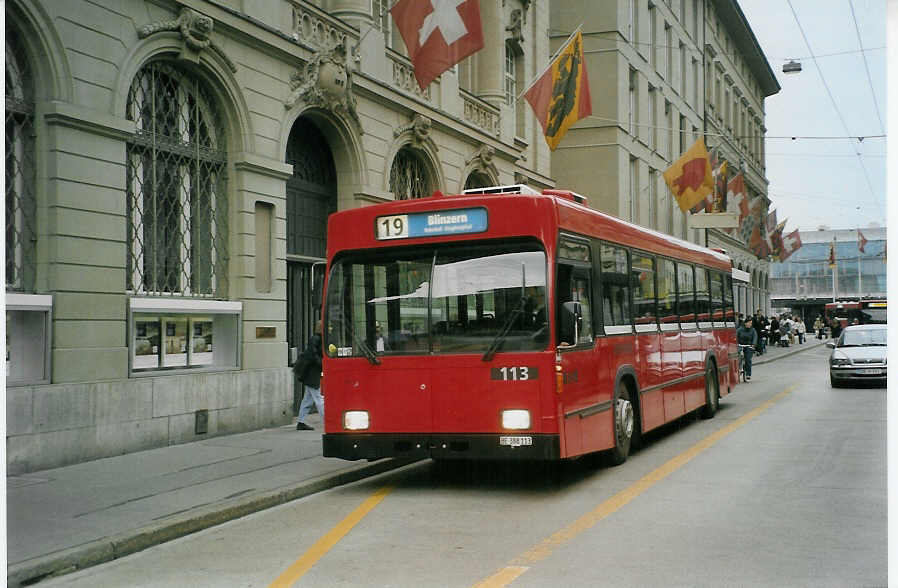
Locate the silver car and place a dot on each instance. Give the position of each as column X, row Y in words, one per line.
column 859, row 355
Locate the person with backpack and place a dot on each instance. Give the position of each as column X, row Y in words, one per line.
column 308, row 371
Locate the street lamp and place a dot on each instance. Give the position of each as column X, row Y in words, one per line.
column 792, row 67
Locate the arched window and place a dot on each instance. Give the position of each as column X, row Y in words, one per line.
column 177, row 198
column 410, row 176
column 20, row 193
column 478, row 179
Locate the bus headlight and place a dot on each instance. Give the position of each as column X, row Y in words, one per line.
column 355, row 420
column 516, row 419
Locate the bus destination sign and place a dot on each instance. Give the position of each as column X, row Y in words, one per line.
column 431, row 224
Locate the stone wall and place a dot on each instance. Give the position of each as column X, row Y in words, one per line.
column 61, row 424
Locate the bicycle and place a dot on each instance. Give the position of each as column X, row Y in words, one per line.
column 742, row 375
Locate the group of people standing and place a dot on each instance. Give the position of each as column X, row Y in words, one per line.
column 756, row 332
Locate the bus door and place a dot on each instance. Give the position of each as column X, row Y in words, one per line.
column 581, row 410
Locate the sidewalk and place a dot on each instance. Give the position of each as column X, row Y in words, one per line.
column 73, row 517
column 70, row 518
column 775, row 353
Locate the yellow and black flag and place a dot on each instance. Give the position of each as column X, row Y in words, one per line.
column 560, row 96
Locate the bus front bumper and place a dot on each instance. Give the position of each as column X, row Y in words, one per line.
column 524, row 446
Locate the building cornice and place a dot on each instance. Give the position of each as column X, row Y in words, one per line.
column 737, row 25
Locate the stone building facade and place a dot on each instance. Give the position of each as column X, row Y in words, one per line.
column 663, row 73
column 170, row 168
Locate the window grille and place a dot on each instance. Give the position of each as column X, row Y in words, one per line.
column 21, row 235
column 177, row 198
column 409, row 176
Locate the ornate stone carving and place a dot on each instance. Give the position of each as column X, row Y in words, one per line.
column 483, row 158
column 420, row 128
column 481, row 115
column 196, row 31
column 326, row 83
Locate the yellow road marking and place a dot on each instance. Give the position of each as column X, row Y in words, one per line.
column 503, row 577
column 547, row 546
column 323, row 545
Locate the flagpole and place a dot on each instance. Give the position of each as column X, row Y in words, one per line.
column 860, row 282
column 835, row 265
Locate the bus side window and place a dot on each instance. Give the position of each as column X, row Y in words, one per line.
column 702, row 295
column 685, row 294
column 615, row 289
column 667, row 294
column 645, row 310
column 728, row 301
column 717, row 303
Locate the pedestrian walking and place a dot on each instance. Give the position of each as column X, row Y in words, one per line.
column 308, row 368
column 760, row 325
column 785, row 331
column 801, row 329
column 774, row 331
column 835, row 328
column 818, row 326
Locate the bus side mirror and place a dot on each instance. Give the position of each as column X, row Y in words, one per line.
column 831, row 344
column 571, row 320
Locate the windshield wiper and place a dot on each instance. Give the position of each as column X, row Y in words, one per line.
column 506, row 326
column 503, row 332
column 367, row 351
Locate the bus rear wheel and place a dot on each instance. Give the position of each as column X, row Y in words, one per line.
column 624, row 423
column 712, row 392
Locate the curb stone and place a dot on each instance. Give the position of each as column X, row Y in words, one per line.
column 808, row 345
column 32, row 571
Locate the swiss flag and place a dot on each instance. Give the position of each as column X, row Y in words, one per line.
column 861, row 241
column 438, row 33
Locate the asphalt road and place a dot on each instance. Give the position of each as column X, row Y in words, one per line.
column 786, row 486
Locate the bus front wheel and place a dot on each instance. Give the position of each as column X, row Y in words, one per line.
column 624, row 423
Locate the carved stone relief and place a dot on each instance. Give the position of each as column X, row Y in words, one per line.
column 420, row 128
column 195, row 30
column 326, row 82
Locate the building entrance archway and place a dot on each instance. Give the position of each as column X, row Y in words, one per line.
column 311, row 198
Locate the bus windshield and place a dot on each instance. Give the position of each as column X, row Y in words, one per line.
column 444, row 299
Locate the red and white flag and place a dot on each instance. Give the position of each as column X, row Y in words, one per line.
column 861, row 241
column 438, row 33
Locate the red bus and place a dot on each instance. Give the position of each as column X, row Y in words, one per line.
column 511, row 324
column 865, row 312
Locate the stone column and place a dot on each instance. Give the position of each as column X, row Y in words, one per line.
column 353, row 12
column 491, row 59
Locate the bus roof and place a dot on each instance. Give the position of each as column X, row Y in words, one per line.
column 511, row 213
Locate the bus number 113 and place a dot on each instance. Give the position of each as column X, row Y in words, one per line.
column 514, row 373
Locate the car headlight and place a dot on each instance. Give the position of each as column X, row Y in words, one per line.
column 356, row 420
column 839, row 359
column 516, row 419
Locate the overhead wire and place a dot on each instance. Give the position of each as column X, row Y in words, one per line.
column 831, row 98
column 866, row 65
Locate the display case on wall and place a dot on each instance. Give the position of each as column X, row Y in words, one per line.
column 183, row 334
column 28, row 321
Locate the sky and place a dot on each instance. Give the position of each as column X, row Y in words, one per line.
column 816, row 182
